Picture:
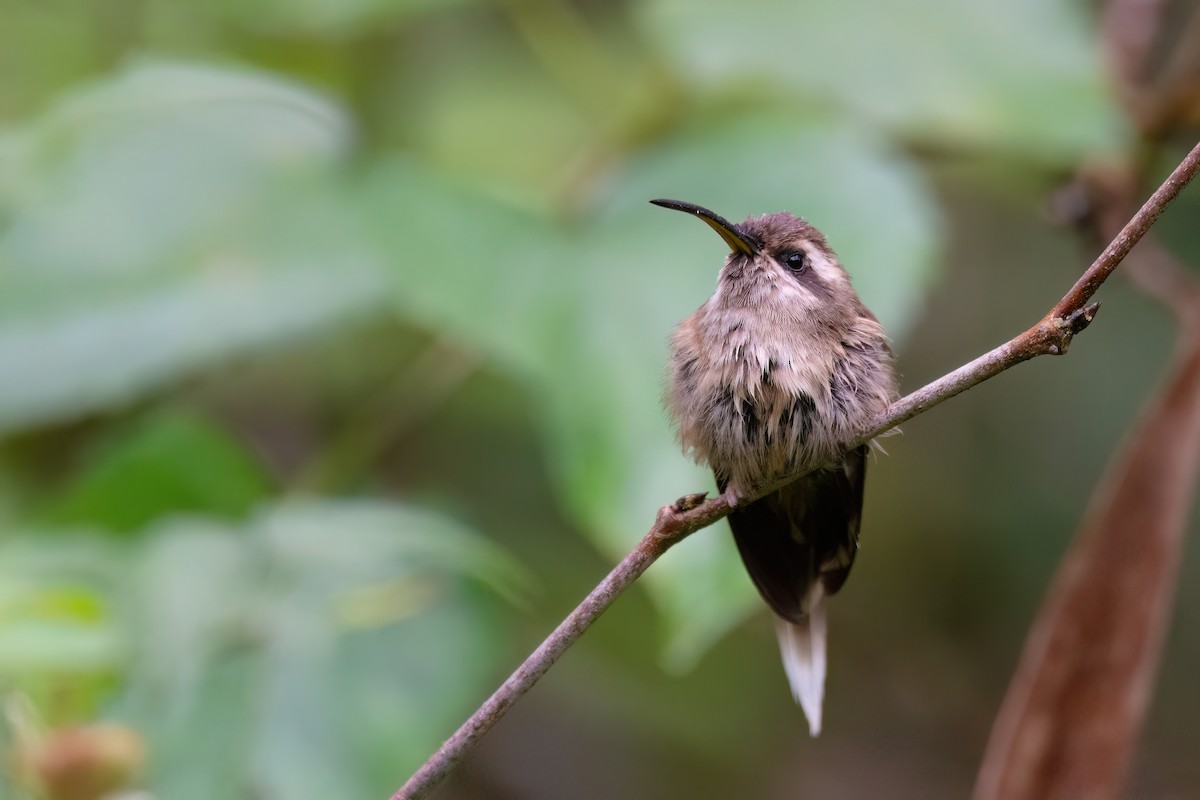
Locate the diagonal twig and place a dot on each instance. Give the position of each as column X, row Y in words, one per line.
column 1052, row 335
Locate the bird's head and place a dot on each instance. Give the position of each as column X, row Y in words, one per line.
column 778, row 262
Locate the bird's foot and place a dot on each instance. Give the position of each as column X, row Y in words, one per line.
column 730, row 497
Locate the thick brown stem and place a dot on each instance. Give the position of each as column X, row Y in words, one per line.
column 1077, row 701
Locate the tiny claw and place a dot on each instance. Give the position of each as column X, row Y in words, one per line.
column 688, row 502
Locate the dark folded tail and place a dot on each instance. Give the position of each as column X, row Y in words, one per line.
column 798, row 544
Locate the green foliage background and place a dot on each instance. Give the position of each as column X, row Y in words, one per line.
column 331, row 339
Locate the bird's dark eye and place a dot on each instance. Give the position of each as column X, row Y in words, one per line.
column 796, row 262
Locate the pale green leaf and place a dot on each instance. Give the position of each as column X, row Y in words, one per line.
column 327, row 18
column 56, row 615
column 161, row 221
column 294, row 650
column 1021, row 76
column 168, row 463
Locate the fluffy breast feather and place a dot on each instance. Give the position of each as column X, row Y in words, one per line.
column 757, row 400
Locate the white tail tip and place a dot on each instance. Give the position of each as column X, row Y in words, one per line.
column 803, row 650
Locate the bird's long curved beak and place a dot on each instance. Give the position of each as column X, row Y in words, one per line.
column 738, row 240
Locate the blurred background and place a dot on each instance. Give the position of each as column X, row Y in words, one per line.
column 331, row 344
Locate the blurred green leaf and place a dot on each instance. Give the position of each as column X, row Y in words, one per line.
column 129, row 166
column 57, row 616
column 46, row 50
column 327, row 18
column 470, row 266
column 477, row 114
column 320, row 645
column 55, row 628
column 1022, row 76
column 170, row 463
column 161, row 221
column 318, row 651
column 532, row 113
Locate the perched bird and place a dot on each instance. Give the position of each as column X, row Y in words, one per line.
column 774, row 377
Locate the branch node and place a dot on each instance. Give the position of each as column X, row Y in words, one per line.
column 671, row 521
column 1078, row 320
column 1055, row 337
column 688, row 502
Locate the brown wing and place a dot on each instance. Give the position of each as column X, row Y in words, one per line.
column 807, row 529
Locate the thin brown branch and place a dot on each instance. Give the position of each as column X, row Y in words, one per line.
column 1124, row 241
column 674, row 523
column 1052, row 335
column 1105, row 196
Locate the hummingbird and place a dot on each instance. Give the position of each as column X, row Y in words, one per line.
column 769, row 383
